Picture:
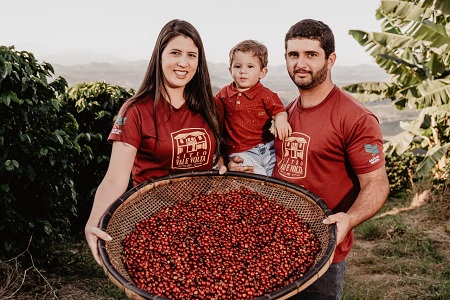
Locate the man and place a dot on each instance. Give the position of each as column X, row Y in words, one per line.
column 335, row 149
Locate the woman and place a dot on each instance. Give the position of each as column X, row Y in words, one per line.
column 172, row 123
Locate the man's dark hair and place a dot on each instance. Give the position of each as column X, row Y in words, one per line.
column 312, row 30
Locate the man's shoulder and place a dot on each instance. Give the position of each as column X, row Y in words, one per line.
column 291, row 106
column 348, row 99
column 350, row 107
column 293, row 102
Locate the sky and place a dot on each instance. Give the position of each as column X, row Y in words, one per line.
column 112, row 30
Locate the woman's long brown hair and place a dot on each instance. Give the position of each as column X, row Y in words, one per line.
column 198, row 91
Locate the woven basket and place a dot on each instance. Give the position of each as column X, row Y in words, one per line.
column 142, row 201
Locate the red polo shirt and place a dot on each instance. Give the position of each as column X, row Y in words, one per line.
column 248, row 116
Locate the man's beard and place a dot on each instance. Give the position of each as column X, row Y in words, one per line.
column 315, row 80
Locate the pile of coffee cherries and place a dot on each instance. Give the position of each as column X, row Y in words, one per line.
column 229, row 245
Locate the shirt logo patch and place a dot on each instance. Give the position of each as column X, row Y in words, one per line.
column 191, row 148
column 294, row 159
column 372, row 150
column 120, row 121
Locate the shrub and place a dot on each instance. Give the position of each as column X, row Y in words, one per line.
column 400, row 170
column 37, row 161
column 95, row 106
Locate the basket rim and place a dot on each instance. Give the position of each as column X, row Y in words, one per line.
column 110, row 270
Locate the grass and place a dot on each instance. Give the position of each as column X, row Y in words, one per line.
column 402, row 256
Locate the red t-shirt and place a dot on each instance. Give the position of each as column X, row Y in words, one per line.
column 331, row 143
column 185, row 141
column 248, row 116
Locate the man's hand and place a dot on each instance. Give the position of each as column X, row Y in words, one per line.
column 342, row 225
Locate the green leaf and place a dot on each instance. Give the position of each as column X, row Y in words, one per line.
column 59, row 137
column 6, row 98
column 405, row 11
column 431, row 159
column 14, row 97
column 25, row 138
column 52, row 160
column 370, row 91
column 44, row 151
column 6, row 69
column 5, row 188
column 11, row 165
column 399, row 143
column 432, row 35
column 47, row 227
column 433, row 93
column 393, row 41
column 9, row 96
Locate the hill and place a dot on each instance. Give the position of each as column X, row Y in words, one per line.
column 130, row 75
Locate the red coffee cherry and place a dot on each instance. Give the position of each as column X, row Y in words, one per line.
column 230, row 245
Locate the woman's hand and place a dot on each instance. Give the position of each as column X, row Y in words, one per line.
column 221, row 166
column 92, row 234
column 112, row 186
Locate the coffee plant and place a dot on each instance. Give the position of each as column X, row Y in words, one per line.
column 95, row 106
column 400, row 170
column 39, row 156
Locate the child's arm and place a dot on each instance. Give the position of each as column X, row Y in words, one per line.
column 282, row 127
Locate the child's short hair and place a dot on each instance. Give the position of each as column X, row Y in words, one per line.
column 258, row 49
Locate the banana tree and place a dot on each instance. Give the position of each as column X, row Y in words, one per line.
column 414, row 48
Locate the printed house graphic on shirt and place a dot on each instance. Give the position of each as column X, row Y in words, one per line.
column 190, row 142
column 294, row 147
column 191, row 148
column 294, row 159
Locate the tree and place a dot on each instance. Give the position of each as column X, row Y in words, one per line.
column 414, row 48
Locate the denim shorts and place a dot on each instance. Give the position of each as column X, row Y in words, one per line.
column 328, row 287
column 261, row 157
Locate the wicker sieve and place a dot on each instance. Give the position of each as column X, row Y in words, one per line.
column 142, row 201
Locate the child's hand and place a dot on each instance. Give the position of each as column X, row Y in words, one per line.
column 282, row 127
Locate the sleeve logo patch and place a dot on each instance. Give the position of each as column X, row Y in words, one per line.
column 120, row 120
column 374, row 151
